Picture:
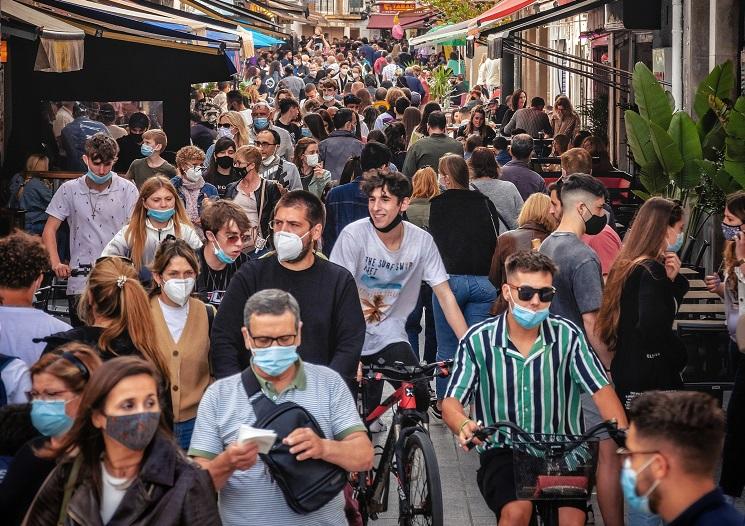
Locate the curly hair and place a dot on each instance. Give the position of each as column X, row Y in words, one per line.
column 24, row 260
column 189, row 154
column 101, row 148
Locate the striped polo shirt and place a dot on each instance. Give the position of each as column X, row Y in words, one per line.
column 540, row 393
column 251, row 496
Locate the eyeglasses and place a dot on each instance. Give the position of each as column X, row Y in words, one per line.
column 627, row 453
column 234, row 238
column 45, row 395
column 262, row 342
column 261, row 144
column 225, row 125
column 526, row 293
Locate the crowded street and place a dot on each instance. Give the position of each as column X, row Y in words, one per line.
column 368, row 262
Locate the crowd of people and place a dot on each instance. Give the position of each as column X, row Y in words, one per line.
column 330, row 216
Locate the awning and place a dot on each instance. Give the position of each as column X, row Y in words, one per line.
column 501, row 10
column 407, row 21
column 545, row 17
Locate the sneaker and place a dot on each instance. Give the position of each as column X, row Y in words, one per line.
column 377, row 427
column 435, row 411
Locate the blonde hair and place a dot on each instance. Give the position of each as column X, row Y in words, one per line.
column 536, row 210
column 425, row 183
column 116, row 294
column 250, row 154
column 137, row 231
column 157, row 136
column 236, row 121
column 32, row 165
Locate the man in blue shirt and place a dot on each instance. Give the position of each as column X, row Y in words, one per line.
column 672, row 450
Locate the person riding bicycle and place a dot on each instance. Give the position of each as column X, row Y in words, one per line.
column 529, row 368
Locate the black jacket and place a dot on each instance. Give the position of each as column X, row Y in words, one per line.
column 464, row 232
column 168, row 491
column 122, row 345
column 272, row 195
column 648, row 354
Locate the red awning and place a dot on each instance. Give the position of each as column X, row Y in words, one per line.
column 407, row 21
column 501, row 10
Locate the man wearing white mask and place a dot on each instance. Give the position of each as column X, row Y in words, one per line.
column 333, row 326
column 262, row 116
column 273, row 167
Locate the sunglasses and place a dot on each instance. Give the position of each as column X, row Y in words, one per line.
column 224, row 125
column 526, row 293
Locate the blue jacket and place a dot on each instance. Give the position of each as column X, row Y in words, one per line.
column 344, row 204
column 414, row 84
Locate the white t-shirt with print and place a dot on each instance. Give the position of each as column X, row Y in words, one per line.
column 388, row 281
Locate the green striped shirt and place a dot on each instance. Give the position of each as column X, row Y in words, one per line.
column 540, row 393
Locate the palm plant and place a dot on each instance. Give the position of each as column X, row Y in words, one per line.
column 439, row 85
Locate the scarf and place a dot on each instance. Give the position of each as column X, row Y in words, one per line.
column 191, row 191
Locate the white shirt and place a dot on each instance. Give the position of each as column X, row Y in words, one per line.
column 175, row 318
column 389, row 71
column 388, row 281
column 17, row 381
column 62, row 118
column 246, row 114
column 20, row 325
column 113, row 492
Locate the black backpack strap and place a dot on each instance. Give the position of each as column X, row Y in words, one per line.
column 210, row 316
column 262, row 405
column 4, row 361
column 249, row 381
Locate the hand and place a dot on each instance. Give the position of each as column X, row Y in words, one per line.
column 318, row 171
column 713, row 283
column 305, row 444
column 359, row 372
column 61, row 270
column 740, row 245
column 466, row 434
column 672, row 265
column 241, row 455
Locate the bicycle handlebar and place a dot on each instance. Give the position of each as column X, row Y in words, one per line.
column 610, row 426
column 398, row 372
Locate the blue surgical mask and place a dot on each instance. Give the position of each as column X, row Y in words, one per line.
column 628, row 485
column 99, row 179
column 678, row 243
column 146, row 150
column 730, row 231
column 261, row 123
column 305, row 131
column 220, row 253
column 49, row 417
column 275, row 360
column 161, row 215
column 526, row 318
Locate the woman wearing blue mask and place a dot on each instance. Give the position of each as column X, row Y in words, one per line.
column 182, row 327
column 58, row 379
column 158, row 213
column 731, row 289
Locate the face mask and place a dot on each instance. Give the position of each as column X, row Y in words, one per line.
column 355, row 75
column 178, row 290
column 628, row 485
column 225, row 132
column 730, row 232
column 49, row 417
column 288, row 245
column 678, row 243
column 595, row 224
column 275, row 360
column 224, row 162
column 220, row 253
column 146, row 150
column 527, row 318
column 393, row 224
column 269, row 160
column 305, row 131
column 311, row 159
column 328, row 98
column 261, row 123
column 133, row 431
column 99, row 179
column 161, row 215
column 194, row 173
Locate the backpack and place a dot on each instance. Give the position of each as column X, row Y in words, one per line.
column 307, row 485
column 4, row 361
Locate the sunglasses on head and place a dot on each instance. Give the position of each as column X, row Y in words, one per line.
column 526, row 293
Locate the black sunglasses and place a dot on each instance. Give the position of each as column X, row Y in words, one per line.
column 225, row 125
column 526, row 293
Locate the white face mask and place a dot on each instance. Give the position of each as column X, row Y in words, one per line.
column 269, row 160
column 288, row 245
column 193, row 174
column 328, row 98
column 311, row 159
column 178, row 290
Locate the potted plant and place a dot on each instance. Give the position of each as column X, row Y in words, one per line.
column 439, row 85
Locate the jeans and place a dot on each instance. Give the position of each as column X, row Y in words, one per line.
column 414, row 326
column 182, row 432
column 394, row 352
column 733, row 456
column 475, row 295
column 639, row 518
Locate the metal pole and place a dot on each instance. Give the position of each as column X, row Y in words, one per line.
column 677, row 34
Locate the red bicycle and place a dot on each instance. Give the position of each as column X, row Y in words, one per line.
column 408, row 453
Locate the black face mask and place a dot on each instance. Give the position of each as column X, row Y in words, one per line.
column 393, row 224
column 224, row 162
column 240, row 172
column 595, row 224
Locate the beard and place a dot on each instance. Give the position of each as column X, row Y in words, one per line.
column 304, row 252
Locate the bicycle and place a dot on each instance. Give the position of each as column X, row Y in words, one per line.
column 549, row 468
column 408, row 453
column 51, row 297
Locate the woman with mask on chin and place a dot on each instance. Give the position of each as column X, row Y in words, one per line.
column 641, row 297
column 313, row 175
column 58, row 379
column 158, row 213
column 221, row 172
column 230, row 124
column 126, row 468
column 182, row 325
column 191, row 186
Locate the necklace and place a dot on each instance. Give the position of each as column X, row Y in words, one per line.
column 93, row 204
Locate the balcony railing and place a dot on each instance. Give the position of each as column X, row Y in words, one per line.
column 339, row 7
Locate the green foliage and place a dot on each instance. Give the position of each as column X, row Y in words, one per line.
column 685, row 136
column 719, row 83
column 650, row 97
column 595, row 113
column 439, row 84
column 458, row 11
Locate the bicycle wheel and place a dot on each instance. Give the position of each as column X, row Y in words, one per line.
column 422, row 488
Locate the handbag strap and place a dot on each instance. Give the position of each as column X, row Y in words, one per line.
column 69, row 486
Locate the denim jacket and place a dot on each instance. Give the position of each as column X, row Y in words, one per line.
column 344, row 204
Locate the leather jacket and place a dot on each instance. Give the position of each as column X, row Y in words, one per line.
column 168, row 491
column 517, row 240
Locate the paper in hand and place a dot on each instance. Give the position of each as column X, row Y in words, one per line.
column 264, row 438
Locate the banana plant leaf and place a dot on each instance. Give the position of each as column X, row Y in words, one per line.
column 653, row 180
column 735, row 126
column 720, row 83
column 650, row 97
column 667, row 151
column 640, row 139
column 683, row 132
